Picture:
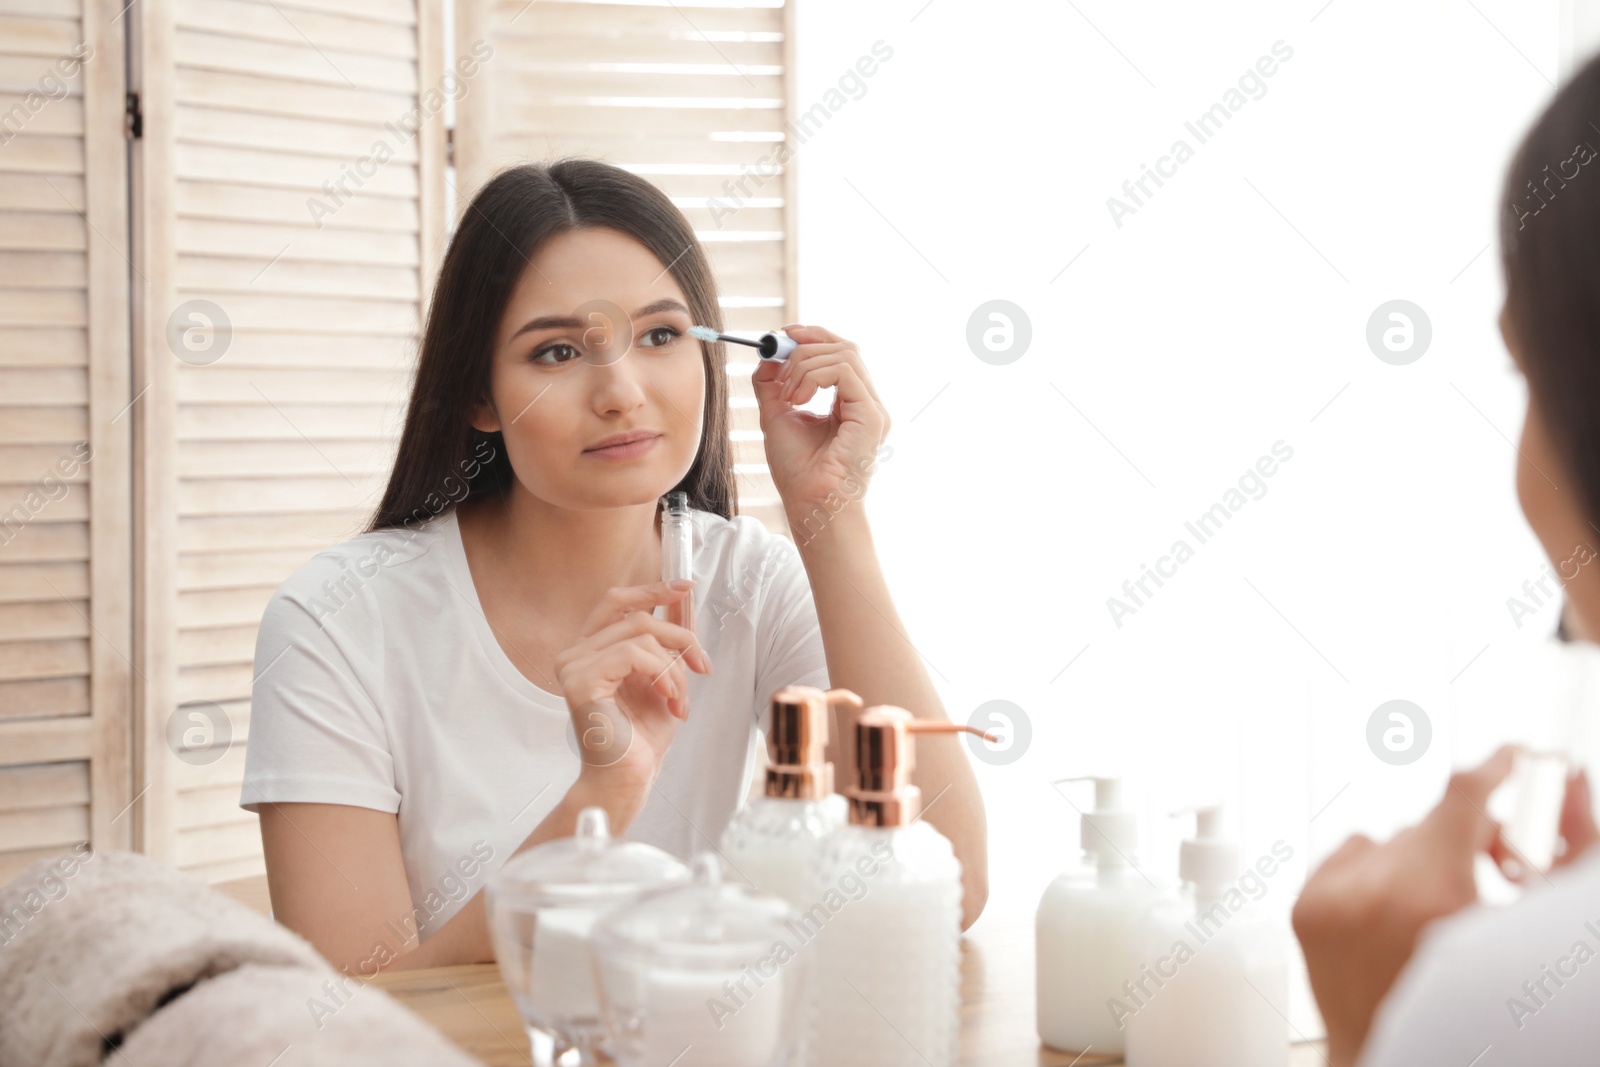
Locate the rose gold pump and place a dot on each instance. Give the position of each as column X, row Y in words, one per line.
column 882, row 794
column 797, row 741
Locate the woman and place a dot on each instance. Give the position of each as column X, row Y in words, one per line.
column 1515, row 985
column 493, row 655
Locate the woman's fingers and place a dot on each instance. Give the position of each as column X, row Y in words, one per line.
column 813, row 334
column 680, row 688
column 600, row 674
column 629, row 649
column 795, row 379
column 668, row 635
column 1578, row 830
column 1356, row 848
column 670, row 682
column 1462, row 815
column 622, row 599
column 770, row 378
column 1512, row 863
column 854, row 404
column 807, row 356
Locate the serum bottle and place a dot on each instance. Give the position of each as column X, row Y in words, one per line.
column 677, row 554
column 1208, row 983
column 1085, row 928
column 888, row 909
column 770, row 842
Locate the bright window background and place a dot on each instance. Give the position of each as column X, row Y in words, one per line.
column 1167, row 355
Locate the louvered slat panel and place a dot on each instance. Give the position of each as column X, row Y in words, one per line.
column 64, row 480
column 316, row 257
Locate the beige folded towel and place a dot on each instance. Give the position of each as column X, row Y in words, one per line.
column 286, row 1017
column 88, row 955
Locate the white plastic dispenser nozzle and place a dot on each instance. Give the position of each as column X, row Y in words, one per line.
column 1206, row 860
column 1109, row 834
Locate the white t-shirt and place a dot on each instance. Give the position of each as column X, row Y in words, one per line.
column 380, row 684
column 1501, row 986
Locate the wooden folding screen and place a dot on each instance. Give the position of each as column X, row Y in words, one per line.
column 65, row 527
column 214, row 259
column 290, row 183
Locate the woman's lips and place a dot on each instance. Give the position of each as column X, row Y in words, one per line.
column 630, row 450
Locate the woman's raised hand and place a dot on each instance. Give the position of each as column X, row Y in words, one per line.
column 819, row 461
column 626, row 683
column 1360, row 914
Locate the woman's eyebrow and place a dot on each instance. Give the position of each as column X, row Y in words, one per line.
column 666, row 304
column 569, row 322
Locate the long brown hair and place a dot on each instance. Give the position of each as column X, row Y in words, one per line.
column 443, row 459
column 1550, row 250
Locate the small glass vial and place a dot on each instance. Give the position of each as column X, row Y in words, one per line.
column 677, row 554
column 703, row 975
column 1537, row 788
column 542, row 906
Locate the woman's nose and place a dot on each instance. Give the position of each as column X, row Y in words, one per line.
column 616, row 381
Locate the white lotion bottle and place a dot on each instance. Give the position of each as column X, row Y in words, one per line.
column 771, row 841
column 887, row 915
column 1208, row 983
column 1085, row 928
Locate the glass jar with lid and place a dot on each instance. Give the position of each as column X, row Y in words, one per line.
column 542, row 906
column 707, row 974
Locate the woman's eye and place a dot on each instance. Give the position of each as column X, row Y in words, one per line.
column 554, row 355
column 658, row 337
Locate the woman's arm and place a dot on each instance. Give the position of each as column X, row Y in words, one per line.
column 337, row 878
column 821, row 465
column 868, row 652
column 336, row 872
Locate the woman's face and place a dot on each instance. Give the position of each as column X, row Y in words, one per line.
column 594, row 343
column 1549, row 499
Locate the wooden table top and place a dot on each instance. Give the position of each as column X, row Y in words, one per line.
column 472, row 1007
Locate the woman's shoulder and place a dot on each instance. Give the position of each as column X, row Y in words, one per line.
column 352, row 577
column 741, row 542
column 1491, row 955
column 1551, row 904
column 740, row 530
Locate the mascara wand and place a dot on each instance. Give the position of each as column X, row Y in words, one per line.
column 774, row 346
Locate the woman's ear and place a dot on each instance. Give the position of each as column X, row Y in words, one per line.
column 484, row 417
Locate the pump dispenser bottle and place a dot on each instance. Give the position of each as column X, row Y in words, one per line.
column 770, row 842
column 1085, row 928
column 888, row 912
column 1208, row 983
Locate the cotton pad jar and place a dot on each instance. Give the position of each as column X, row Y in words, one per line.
column 542, row 906
column 709, row 974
